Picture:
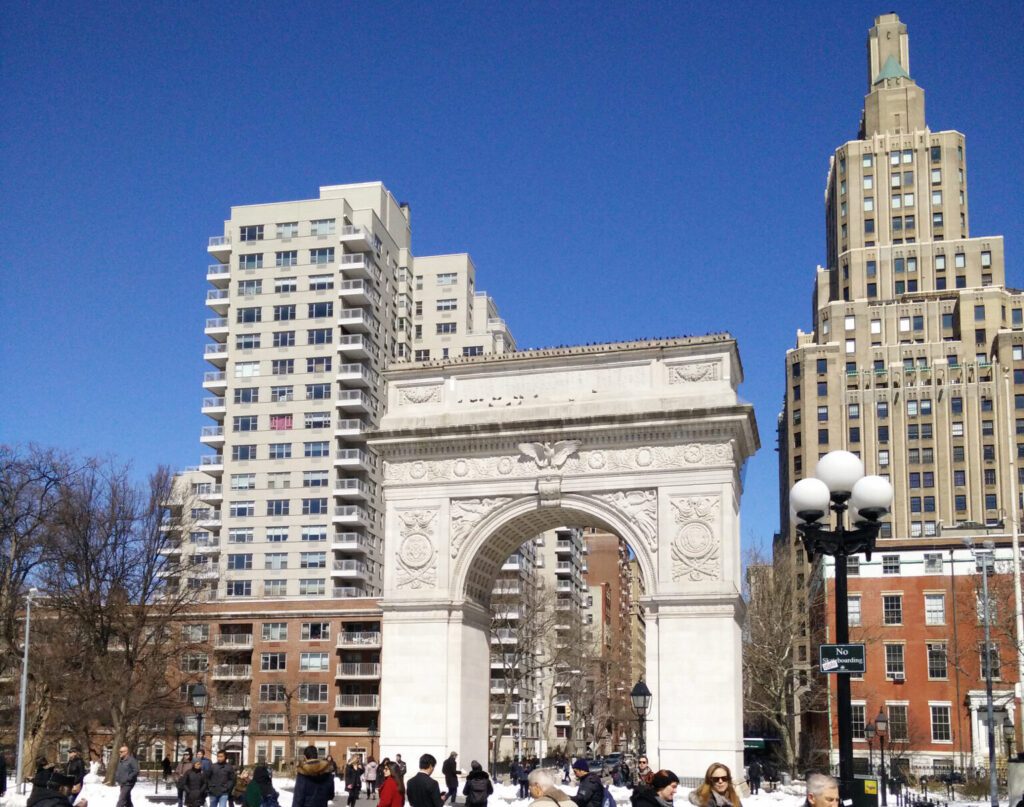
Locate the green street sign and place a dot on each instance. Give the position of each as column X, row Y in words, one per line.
column 848, row 659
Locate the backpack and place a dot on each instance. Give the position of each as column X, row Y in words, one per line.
column 477, row 791
column 608, row 800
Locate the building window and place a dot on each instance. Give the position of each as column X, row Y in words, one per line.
column 283, row 313
column 238, row 588
column 318, row 392
column 277, row 507
column 936, row 660
column 275, row 561
column 894, row 664
column 447, row 278
column 447, row 327
column 942, row 729
column 312, row 587
column 318, row 533
column 853, row 607
column 280, row 451
column 286, row 258
column 892, row 609
column 316, row 631
column 993, row 659
column 273, row 662
column 320, row 336
column 251, row 233
column 853, row 565
column 890, row 564
column 321, row 227
column 314, row 506
column 320, row 310
column 473, row 350
column 321, row 256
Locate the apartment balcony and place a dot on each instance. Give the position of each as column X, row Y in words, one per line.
column 353, row 400
column 227, row 703
column 356, row 319
column 502, row 662
column 210, row 547
column 513, row 564
column 216, row 353
column 202, row 573
column 504, row 636
column 564, row 546
column 220, row 247
column 564, row 585
column 350, row 570
column 357, row 292
column 217, row 328
column 346, row 592
column 210, row 492
column 353, row 489
column 357, row 239
column 351, row 514
column 351, row 428
column 352, row 703
column 563, row 721
column 358, row 671
column 215, row 381
column 358, row 265
column 234, row 641
column 219, row 274
column 209, row 520
column 353, row 542
column 501, row 689
column 232, row 672
column 355, row 345
column 217, row 299
column 354, row 458
column 212, row 436
column 359, row 639
column 355, row 375
column 170, row 550
column 212, row 464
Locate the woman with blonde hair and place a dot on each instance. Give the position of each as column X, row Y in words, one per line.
column 717, row 790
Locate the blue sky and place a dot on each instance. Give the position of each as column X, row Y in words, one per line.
column 616, row 171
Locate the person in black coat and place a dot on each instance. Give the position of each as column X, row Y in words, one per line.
column 50, row 788
column 478, row 786
column 660, row 791
column 75, row 768
column 353, row 780
column 422, row 790
column 590, row 792
column 451, row 778
column 314, row 780
column 194, row 785
column 754, row 772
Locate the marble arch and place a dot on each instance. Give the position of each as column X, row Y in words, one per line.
column 644, row 439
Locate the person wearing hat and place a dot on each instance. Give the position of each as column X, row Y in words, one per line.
column 590, row 792
column 194, row 785
column 658, row 793
column 75, row 768
column 50, row 788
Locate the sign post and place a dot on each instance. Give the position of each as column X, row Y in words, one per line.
column 842, row 659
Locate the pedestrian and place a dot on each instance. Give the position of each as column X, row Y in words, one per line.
column 1021, row 802
column 51, row 788
column 221, row 780
column 524, row 779
column 513, row 772
column 590, row 792
column 422, row 789
column 401, row 765
column 184, row 766
column 451, row 778
column 643, row 771
column 392, row 785
column 542, row 789
column 478, row 785
column 314, row 780
column 3, row 774
column 565, row 771
column 237, row 794
column 822, row 791
column 754, row 776
column 205, row 762
column 659, row 792
column 717, row 790
column 260, row 791
column 167, row 768
column 353, row 779
column 370, row 775
column 125, row 776
column 75, row 768
column 194, row 785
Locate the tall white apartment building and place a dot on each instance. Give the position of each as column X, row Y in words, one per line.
column 310, row 300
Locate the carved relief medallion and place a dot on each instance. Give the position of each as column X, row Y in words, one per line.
column 695, row 549
column 693, row 373
column 417, row 556
column 420, row 394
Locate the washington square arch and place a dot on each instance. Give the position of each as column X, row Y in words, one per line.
column 642, row 439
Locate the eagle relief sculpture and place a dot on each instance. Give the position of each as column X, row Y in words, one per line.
column 550, row 455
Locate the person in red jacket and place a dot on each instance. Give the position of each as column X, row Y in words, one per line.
column 392, row 788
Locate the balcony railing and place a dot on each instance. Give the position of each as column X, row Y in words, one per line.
column 352, row 511
column 213, row 403
column 220, row 240
column 214, row 376
column 216, row 294
column 348, row 638
column 215, row 349
column 357, row 702
column 211, row 459
column 217, row 322
column 350, row 566
column 232, row 671
column 343, row 592
column 212, row 431
column 225, row 702
column 241, row 641
column 356, row 670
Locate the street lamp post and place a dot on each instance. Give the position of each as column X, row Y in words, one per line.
column 199, row 699
column 18, row 779
column 984, row 558
column 372, row 733
column 881, row 728
column 839, row 484
column 869, row 735
column 1008, row 736
column 179, row 728
column 641, row 697
column 244, row 715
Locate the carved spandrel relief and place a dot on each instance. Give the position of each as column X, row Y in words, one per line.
column 639, row 507
column 696, row 551
column 420, row 394
column 417, row 555
column 694, row 372
column 582, row 462
column 466, row 514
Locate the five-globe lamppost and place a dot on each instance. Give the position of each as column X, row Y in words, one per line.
column 641, row 697
column 839, row 485
column 179, row 729
column 881, row 729
column 244, row 716
column 199, row 699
